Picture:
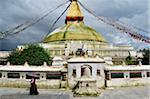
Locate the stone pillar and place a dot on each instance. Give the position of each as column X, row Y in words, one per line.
column 102, row 74
column 42, row 76
column 22, row 75
column 53, row 52
column 70, row 71
column 126, row 75
column 109, row 75
column 90, row 52
column 78, row 72
column 144, row 74
column 67, row 52
column 4, row 75
column 94, row 72
column 60, row 52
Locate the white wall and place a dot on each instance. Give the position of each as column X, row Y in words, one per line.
column 95, row 67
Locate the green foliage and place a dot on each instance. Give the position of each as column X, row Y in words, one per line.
column 33, row 54
column 129, row 60
column 146, row 57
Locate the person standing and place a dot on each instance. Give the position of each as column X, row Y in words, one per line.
column 33, row 87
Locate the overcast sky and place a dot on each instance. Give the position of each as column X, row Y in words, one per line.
column 14, row 12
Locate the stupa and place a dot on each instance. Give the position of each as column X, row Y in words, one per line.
column 86, row 84
column 75, row 36
column 75, row 29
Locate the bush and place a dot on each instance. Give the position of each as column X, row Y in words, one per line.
column 33, row 54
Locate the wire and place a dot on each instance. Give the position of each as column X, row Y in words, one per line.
column 135, row 27
column 6, row 32
column 41, row 18
column 104, row 19
column 58, row 18
column 119, row 26
column 29, row 23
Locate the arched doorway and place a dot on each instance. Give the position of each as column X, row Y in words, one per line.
column 86, row 70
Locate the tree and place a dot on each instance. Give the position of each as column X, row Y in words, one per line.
column 33, row 54
column 129, row 60
column 146, row 57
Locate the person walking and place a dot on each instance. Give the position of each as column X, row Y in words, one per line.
column 33, row 87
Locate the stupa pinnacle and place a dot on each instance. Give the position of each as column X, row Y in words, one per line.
column 74, row 12
column 75, row 29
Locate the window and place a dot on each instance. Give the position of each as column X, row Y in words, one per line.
column 64, row 77
column 74, row 73
column 135, row 75
column 82, row 71
column 0, row 75
column 117, row 75
column 148, row 74
column 107, row 75
column 53, row 75
column 13, row 75
column 98, row 72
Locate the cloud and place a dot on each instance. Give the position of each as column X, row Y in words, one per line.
column 14, row 12
column 143, row 23
column 118, row 8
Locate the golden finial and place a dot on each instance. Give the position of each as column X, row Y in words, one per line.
column 74, row 12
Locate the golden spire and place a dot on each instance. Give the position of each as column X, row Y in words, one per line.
column 74, row 12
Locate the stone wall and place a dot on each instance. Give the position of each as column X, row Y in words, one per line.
column 131, row 76
column 42, row 84
column 72, row 81
column 128, row 82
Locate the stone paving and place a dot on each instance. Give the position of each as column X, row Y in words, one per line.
column 142, row 92
column 12, row 93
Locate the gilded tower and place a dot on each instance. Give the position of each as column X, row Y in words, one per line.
column 76, row 35
column 75, row 29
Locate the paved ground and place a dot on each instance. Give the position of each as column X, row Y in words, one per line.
column 127, row 93
column 12, row 93
column 142, row 92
